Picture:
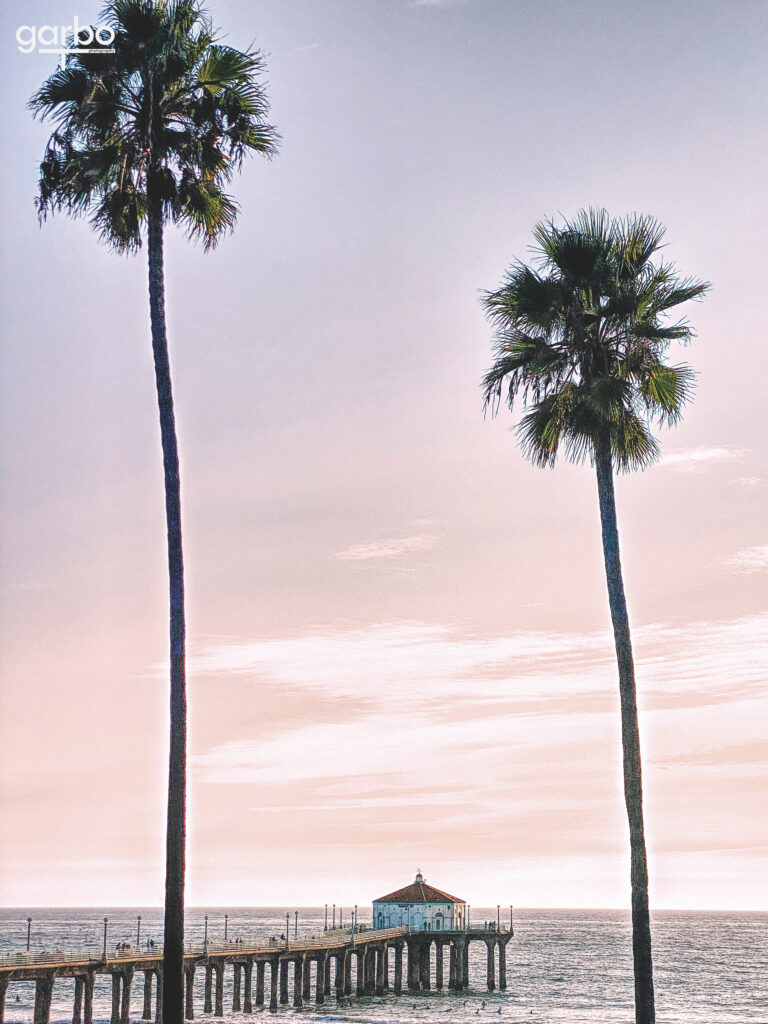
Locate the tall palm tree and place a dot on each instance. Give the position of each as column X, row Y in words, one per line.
column 146, row 136
column 581, row 338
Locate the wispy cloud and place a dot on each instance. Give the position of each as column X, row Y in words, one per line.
column 694, row 459
column 754, row 559
column 391, row 547
column 466, row 697
column 746, row 481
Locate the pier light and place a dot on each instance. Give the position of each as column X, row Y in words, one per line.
column 498, row 918
column 104, row 954
column 29, row 931
column 510, row 916
column 295, row 923
column 226, row 926
column 326, row 918
column 138, row 930
column 205, row 936
column 341, row 914
column 334, row 915
column 468, row 910
column 287, row 928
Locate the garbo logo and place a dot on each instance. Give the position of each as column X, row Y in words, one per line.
column 54, row 39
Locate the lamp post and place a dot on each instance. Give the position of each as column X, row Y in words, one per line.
column 469, row 908
column 498, row 918
column 287, row 928
column 354, row 925
column 226, row 926
column 138, row 930
column 510, row 916
column 29, row 931
column 205, row 937
column 295, row 923
column 334, row 916
column 341, row 914
column 104, row 952
column 326, row 918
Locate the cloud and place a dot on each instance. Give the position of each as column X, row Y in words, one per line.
column 418, row 663
column 387, row 694
column 691, row 460
column 754, row 559
column 393, row 547
column 747, row 481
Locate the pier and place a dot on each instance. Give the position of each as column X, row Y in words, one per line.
column 341, row 964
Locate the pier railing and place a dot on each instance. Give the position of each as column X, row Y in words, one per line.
column 94, row 954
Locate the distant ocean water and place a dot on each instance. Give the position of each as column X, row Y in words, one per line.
column 563, row 967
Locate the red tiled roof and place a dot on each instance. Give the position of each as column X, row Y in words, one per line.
column 418, row 892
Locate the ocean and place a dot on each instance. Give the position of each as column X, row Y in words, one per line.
column 563, row 966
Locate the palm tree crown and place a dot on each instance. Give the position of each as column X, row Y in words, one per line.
column 581, row 338
column 171, row 111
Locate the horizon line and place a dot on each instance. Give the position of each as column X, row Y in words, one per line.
column 321, row 906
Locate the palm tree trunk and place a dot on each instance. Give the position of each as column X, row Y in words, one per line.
column 645, row 1012
column 173, row 949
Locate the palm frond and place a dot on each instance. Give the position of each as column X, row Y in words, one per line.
column 580, row 339
column 171, row 110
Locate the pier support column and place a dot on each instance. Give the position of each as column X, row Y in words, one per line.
column 360, row 986
column 452, row 966
column 490, row 971
column 236, row 984
column 465, row 965
column 424, row 958
column 43, row 993
column 146, row 1012
column 306, row 979
column 369, row 970
column 298, row 983
column 439, row 963
column 327, row 975
column 385, row 955
column 413, row 965
column 339, row 975
column 88, row 980
column 219, row 1000
column 283, row 982
column 3, row 990
column 274, row 969
column 77, row 1008
column 502, row 966
column 125, row 1005
column 115, row 1018
column 208, row 993
column 189, row 993
column 320, row 986
column 398, row 968
column 260, row 968
column 348, row 974
column 379, row 960
column 248, row 986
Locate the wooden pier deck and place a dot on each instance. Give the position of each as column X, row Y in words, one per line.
column 341, row 962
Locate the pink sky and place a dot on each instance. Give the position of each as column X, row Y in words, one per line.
column 399, row 648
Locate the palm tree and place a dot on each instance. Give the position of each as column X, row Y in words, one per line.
column 146, row 136
column 581, row 338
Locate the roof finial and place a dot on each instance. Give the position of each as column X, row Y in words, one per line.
column 419, row 877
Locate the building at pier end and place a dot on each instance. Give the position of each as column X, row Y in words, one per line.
column 420, row 907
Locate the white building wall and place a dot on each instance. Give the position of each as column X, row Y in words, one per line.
column 420, row 916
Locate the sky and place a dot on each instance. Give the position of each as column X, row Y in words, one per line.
column 398, row 632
